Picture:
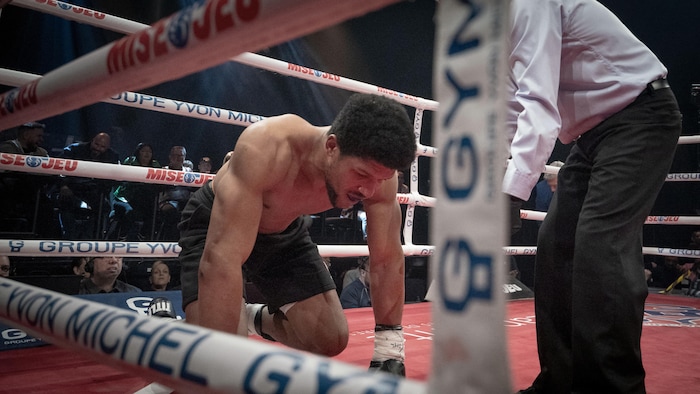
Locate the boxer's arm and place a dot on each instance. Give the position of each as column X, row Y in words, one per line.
column 387, row 261
column 233, row 228
column 387, row 279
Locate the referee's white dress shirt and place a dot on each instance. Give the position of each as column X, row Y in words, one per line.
column 573, row 64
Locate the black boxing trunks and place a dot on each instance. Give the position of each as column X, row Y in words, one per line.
column 285, row 267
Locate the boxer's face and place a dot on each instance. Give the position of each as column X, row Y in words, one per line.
column 352, row 179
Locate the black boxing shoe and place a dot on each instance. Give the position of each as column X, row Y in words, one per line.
column 394, row 367
column 161, row 307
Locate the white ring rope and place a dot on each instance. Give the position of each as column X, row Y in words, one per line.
column 125, row 26
column 151, row 103
column 180, row 355
column 669, row 219
column 66, row 248
column 413, row 181
column 98, row 170
column 673, row 177
column 659, row 251
column 647, row 250
column 173, row 107
column 683, row 177
column 138, row 60
column 689, row 139
column 116, row 172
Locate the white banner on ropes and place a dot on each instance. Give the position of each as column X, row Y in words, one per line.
column 469, row 352
column 56, row 248
column 182, row 356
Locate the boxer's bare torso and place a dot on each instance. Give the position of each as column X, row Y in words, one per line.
column 294, row 180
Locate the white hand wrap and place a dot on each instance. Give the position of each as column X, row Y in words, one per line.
column 388, row 343
column 252, row 310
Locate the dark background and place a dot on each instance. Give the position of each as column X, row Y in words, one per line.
column 392, row 48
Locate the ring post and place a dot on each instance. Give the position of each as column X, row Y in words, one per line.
column 469, row 351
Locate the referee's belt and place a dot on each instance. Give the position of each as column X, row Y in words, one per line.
column 658, row 85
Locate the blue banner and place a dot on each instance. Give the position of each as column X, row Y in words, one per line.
column 13, row 338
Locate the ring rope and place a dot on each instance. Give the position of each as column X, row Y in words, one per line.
column 683, row 177
column 117, row 172
column 689, row 139
column 123, row 65
column 668, row 219
column 152, row 103
column 413, row 181
column 672, row 177
column 181, row 355
column 66, row 248
column 125, row 26
column 171, row 106
column 647, row 250
column 98, row 170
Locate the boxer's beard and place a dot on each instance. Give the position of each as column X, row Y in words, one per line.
column 332, row 195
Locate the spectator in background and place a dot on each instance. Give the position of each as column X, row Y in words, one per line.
column 5, row 266
column 694, row 240
column 30, row 137
column 350, row 275
column 357, row 293
column 134, row 202
column 19, row 191
column 204, row 165
column 403, row 187
column 662, row 275
column 694, row 278
column 97, row 149
column 173, row 200
column 78, row 266
column 160, row 276
column 83, row 198
column 544, row 190
column 104, row 273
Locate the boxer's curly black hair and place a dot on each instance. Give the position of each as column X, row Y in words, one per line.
column 377, row 128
